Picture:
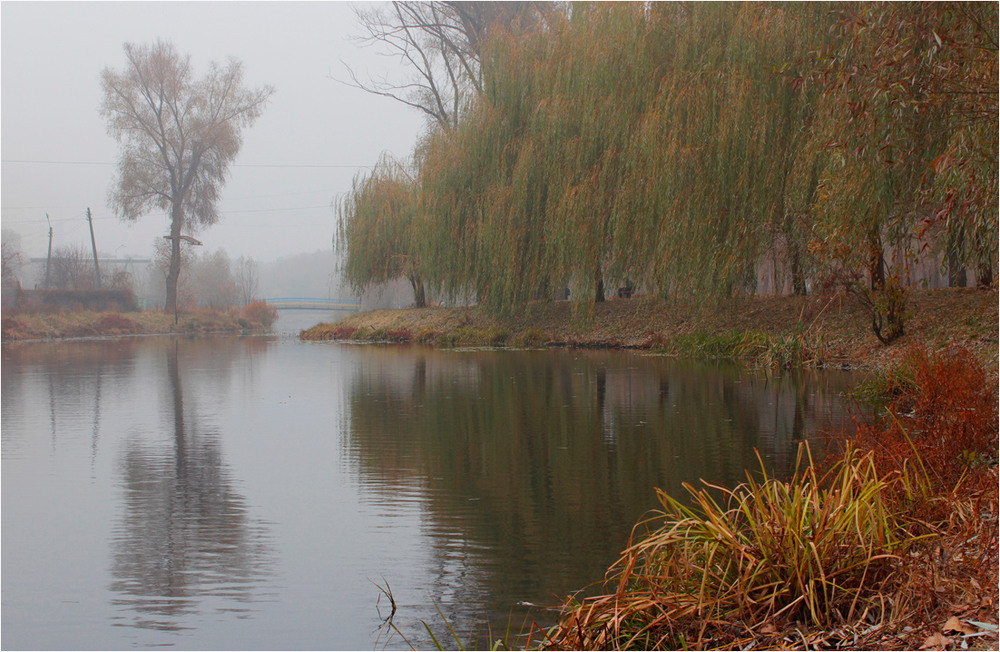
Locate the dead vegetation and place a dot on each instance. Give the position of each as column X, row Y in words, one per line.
column 63, row 324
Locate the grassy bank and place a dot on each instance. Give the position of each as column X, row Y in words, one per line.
column 784, row 331
column 62, row 324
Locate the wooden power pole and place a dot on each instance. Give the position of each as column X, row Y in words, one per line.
column 93, row 244
column 48, row 260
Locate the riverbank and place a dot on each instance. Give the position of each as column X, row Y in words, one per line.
column 818, row 330
column 82, row 323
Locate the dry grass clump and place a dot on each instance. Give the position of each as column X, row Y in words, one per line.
column 817, row 552
column 887, row 548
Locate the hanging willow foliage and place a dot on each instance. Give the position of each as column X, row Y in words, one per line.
column 376, row 230
column 910, row 117
column 676, row 145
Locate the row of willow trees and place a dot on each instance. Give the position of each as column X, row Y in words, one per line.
column 676, row 146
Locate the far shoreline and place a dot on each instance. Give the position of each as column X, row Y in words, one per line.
column 827, row 331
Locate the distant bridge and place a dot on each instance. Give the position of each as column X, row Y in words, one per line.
column 306, row 303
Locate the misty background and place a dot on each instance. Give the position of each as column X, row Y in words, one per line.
column 315, row 135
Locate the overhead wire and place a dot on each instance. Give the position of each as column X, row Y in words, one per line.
column 235, row 165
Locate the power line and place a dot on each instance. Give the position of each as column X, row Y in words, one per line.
column 221, row 212
column 235, row 165
column 324, row 191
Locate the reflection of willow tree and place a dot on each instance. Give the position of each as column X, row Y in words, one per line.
column 185, row 533
column 560, row 453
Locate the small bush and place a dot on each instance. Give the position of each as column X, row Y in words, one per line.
column 427, row 337
column 884, row 386
column 390, row 335
column 945, row 416
column 13, row 329
column 446, row 340
column 258, row 312
column 495, row 337
column 887, row 307
column 656, row 342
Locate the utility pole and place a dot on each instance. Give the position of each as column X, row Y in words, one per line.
column 48, row 260
column 93, row 244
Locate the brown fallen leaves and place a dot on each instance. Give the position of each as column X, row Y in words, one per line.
column 958, row 634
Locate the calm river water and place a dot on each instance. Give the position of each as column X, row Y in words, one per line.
column 249, row 493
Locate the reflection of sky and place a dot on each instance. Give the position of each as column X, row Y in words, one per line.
column 282, row 515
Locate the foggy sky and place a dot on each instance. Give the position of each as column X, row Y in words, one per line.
column 51, row 57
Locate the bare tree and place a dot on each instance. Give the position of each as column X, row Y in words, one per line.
column 12, row 259
column 72, row 269
column 442, row 43
column 247, row 280
column 178, row 137
column 214, row 283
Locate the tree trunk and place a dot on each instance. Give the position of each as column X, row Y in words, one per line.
column 419, row 295
column 795, row 265
column 957, row 277
column 876, row 261
column 984, row 276
column 599, row 292
column 174, row 271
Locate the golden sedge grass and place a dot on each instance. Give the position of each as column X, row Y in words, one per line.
column 818, row 550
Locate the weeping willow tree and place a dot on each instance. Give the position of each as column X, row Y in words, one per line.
column 626, row 144
column 910, row 141
column 376, row 230
column 676, row 146
column 721, row 144
column 602, row 72
column 963, row 81
column 482, row 195
column 518, row 199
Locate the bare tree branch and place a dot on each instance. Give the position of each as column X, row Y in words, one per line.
column 439, row 42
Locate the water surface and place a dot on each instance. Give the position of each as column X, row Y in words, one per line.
column 249, row 493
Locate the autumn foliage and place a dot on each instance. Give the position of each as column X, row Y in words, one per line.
column 944, row 417
column 258, row 312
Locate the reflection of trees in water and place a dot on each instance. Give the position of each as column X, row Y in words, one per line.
column 537, row 466
column 64, row 381
column 185, row 535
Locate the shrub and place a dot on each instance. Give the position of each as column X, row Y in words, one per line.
column 427, row 337
column 258, row 312
column 887, row 307
column 13, row 329
column 945, row 416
